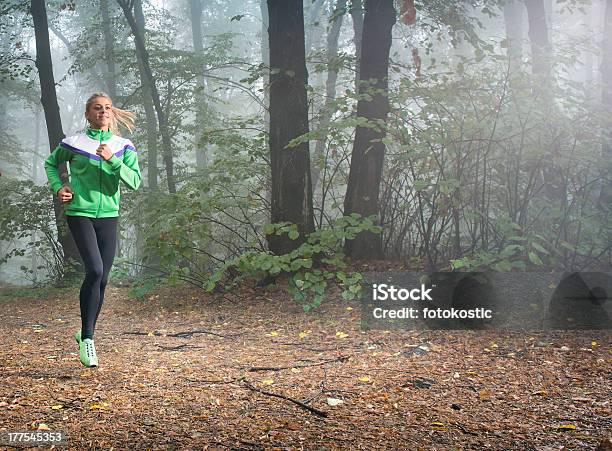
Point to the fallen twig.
(201, 331)
(179, 347)
(185, 334)
(312, 410)
(464, 430)
(278, 368)
(220, 382)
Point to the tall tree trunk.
(150, 259)
(53, 120)
(605, 197)
(151, 120)
(198, 47)
(265, 59)
(513, 18)
(363, 187)
(110, 73)
(313, 18)
(538, 36)
(356, 10)
(130, 8)
(554, 189)
(291, 184)
(330, 86)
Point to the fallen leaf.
(364, 378)
(267, 381)
(98, 406)
(540, 392)
(57, 407)
(484, 394)
(43, 427)
(334, 401)
(566, 427)
(438, 426)
(341, 335)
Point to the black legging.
(96, 239)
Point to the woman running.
(98, 159)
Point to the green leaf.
(268, 229)
(347, 295)
(539, 248)
(458, 264)
(503, 266)
(535, 259)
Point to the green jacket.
(94, 181)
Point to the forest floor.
(181, 369)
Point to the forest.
(292, 151)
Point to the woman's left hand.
(104, 151)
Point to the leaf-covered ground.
(180, 369)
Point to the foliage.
(212, 216)
(308, 268)
(515, 252)
(27, 223)
(473, 151)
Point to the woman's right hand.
(65, 194)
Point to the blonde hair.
(119, 116)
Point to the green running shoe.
(87, 352)
(77, 337)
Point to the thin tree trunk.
(362, 193)
(513, 18)
(130, 8)
(151, 259)
(151, 120)
(605, 196)
(198, 47)
(110, 73)
(315, 12)
(35, 163)
(291, 184)
(330, 87)
(53, 120)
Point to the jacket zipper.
(100, 180)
